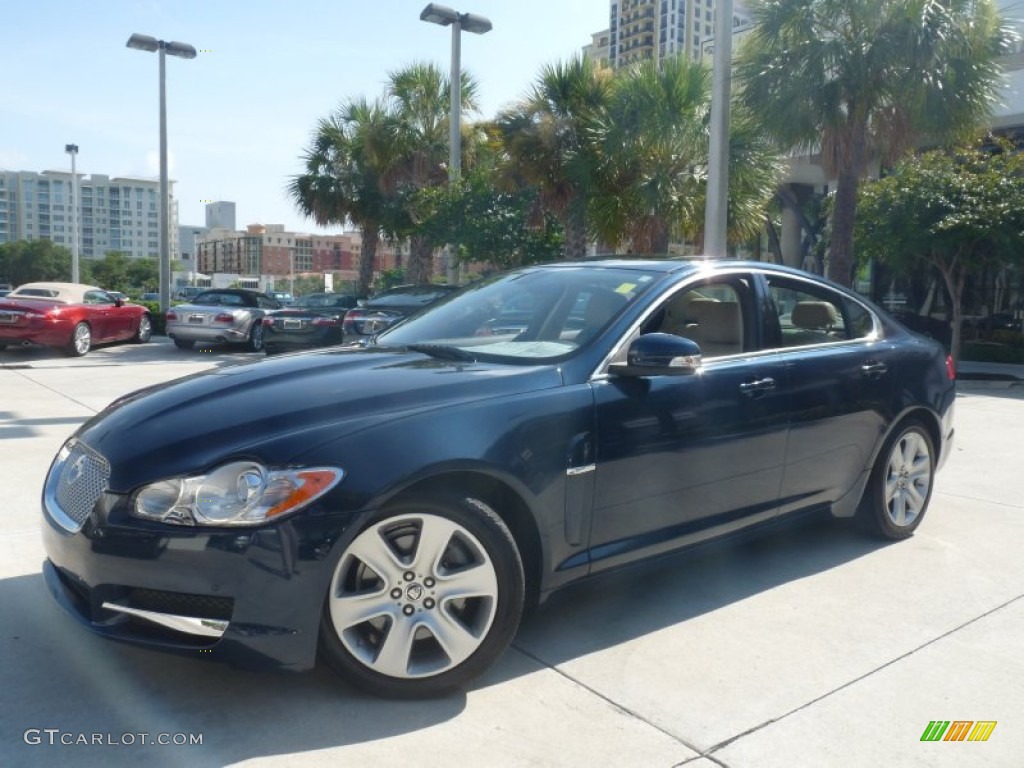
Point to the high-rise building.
(115, 214)
(654, 29)
(220, 215)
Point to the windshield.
(534, 314)
(321, 300)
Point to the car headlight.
(239, 493)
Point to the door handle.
(873, 369)
(752, 388)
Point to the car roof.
(66, 293)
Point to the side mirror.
(659, 354)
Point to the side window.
(97, 297)
(810, 315)
(264, 303)
(713, 314)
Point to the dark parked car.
(312, 321)
(380, 312)
(397, 505)
(221, 316)
(70, 316)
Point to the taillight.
(224, 317)
(268, 321)
(950, 368)
(351, 316)
(171, 315)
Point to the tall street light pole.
(470, 22)
(72, 149)
(716, 207)
(184, 51)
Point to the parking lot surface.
(808, 646)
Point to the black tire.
(145, 330)
(901, 482)
(255, 341)
(269, 350)
(419, 597)
(184, 343)
(80, 342)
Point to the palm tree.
(654, 152)
(420, 99)
(551, 143)
(863, 80)
(350, 156)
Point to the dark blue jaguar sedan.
(395, 507)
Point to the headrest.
(816, 315)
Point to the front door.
(684, 458)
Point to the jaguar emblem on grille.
(76, 470)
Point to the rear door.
(841, 377)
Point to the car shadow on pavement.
(57, 675)
(626, 604)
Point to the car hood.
(277, 409)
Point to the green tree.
(489, 225)
(957, 211)
(551, 143)
(655, 156)
(420, 97)
(27, 261)
(351, 154)
(653, 152)
(862, 80)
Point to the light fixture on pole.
(184, 51)
(470, 22)
(72, 149)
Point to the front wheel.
(424, 599)
(901, 482)
(184, 343)
(81, 340)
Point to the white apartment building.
(115, 214)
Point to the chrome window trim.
(600, 372)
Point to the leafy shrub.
(987, 352)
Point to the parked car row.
(260, 321)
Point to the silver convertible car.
(221, 316)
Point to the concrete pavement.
(811, 646)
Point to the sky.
(240, 114)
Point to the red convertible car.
(70, 316)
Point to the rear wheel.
(145, 330)
(901, 482)
(255, 342)
(184, 343)
(424, 599)
(81, 340)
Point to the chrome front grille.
(77, 479)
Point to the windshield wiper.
(442, 352)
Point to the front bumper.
(252, 598)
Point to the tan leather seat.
(719, 328)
